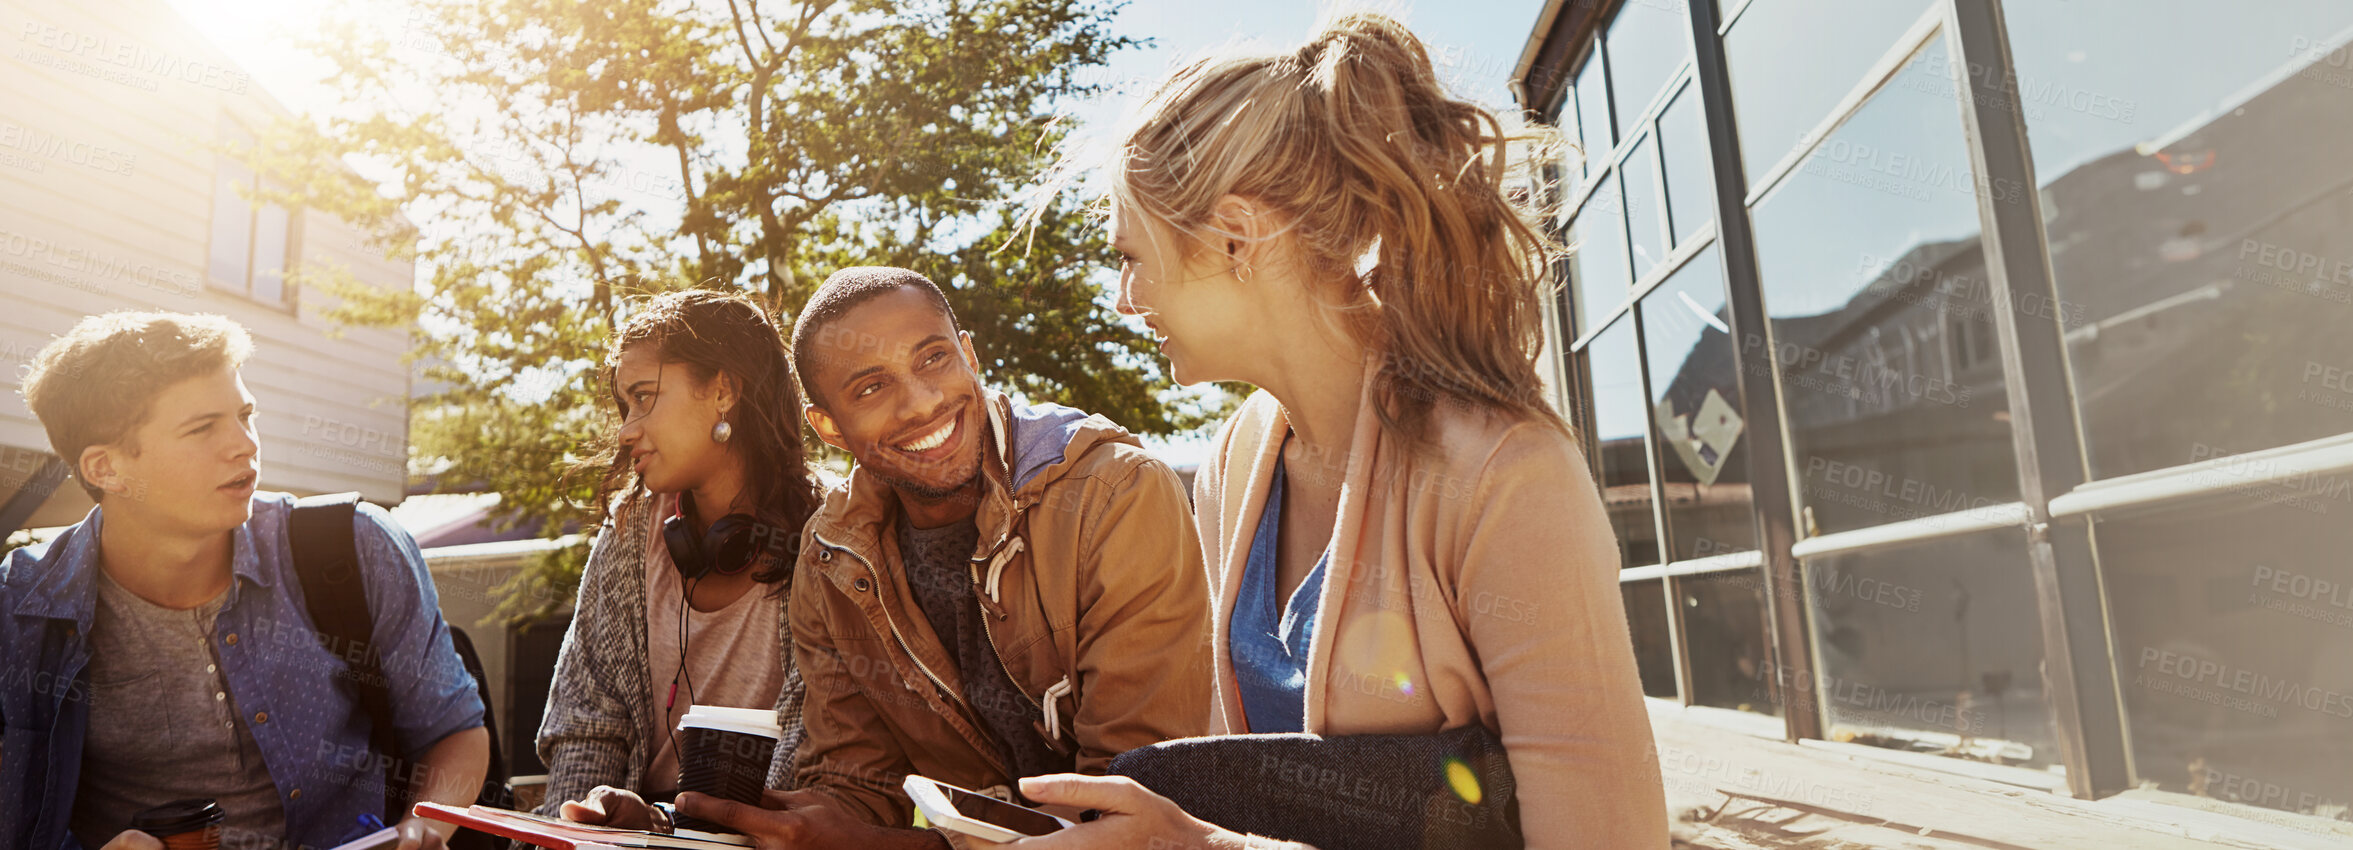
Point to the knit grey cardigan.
(597, 709)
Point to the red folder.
(562, 834)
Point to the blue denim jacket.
(315, 742)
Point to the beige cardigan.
(1473, 583)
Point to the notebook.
(566, 835)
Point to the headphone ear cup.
(729, 543)
(685, 551)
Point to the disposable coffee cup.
(724, 752)
(193, 824)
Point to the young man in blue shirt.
(160, 649)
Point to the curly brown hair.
(95, 385)
(711, 333)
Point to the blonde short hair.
(97, 384)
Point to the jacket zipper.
(894, 624)
(1005, 467)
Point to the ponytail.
(1395, 193)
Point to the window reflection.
(1593, 114)
(1599, 265)
(2232, 623)
(1646, 226)
(1792, 61)
(2196, 220)
(1695, 405)
(1724, 624)
(1882, 325)
(1654, 648)
(1648, 41)
(1623, 467)
(1683, 148)
(1933, 648)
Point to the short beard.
(927, 492)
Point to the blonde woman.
(1402, 535)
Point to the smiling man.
(999, 590)
(160, 649)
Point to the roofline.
(1536, 39)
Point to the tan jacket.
(1098, 610)
(1473, 584)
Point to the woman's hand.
(1133, 816)
(618, 808)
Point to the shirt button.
(261, 717)
(232, 639)
(218, 696)
(212, 668)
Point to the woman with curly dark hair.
(705, 486)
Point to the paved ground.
(1730, 790)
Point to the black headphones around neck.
(726, 548)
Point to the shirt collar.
(64, 584)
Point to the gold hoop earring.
(1242, 273)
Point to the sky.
(1475, 44)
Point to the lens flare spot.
(1404, 685)
(1465, 783)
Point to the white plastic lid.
(749, 721)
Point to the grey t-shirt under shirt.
(937, 562)
(164, 727)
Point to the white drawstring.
(997, 567)
(1053, 699)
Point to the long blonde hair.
(1395, 192)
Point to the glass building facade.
(1974, 379)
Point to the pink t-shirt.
(733, 656)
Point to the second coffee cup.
(725, 752)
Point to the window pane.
(1645, 226)
(1654, 648)
(1724, 623)
(1934, 648)
(1593, 114)
(269, 254)
(1616, 379)
(1691, 182)
(2198, 222)
(1882, 326)
(1564, 117)
(1599, 265)
(232, 229)
(1792, 61)
(1647, 42)
(2232, 626)
(1695, 404)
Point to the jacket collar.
(1026, 450)
(62, 581)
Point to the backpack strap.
(326, 559)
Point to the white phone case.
(936, 809)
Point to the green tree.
(541, 160)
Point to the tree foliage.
(541, 160)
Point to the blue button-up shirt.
(315, 742)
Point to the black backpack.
(326, 558)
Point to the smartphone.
(979, 815)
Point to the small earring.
(1242, 273)
(722, 431)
